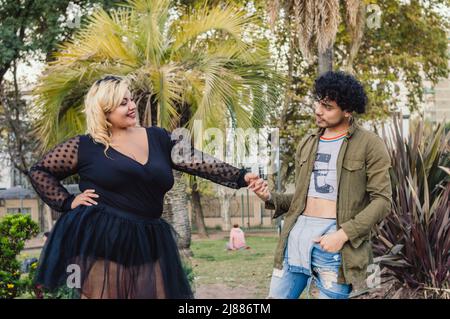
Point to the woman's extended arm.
(186, 158)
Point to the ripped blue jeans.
(309, 262)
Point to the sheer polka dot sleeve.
(57, 164)
(187, 159)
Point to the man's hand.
(260, 188)
(332, 242)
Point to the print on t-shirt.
(321, 169)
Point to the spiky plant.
(414, 241)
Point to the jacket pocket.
(353, 165)
(360, 240)
(359, 257)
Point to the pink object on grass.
(237, 239)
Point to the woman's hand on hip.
(85, 198)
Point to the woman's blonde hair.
(104, 96)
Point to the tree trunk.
(176, 213)
(224, 199)
(225, 213)
(326, 61)
(281, 173)
(197, 212)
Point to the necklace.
(125, 153)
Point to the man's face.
(329, 114)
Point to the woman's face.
(125, 114)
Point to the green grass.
(213, 264)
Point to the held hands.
(332, 242)
(85, 199)
(258, 186)
(250, 177)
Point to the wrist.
(343, 235)
(68, 202)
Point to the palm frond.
(327, 19)
(103, 39)
(227, 20)
(216, 89)
(151, 18)
(168, 90)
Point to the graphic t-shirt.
(323, 178)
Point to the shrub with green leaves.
(14, 230)
(413, 242)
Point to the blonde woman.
(111, 235)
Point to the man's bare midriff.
(319, 207)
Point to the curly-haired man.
(342, 190)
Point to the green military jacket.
(364, 197)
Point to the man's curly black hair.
(342, 88)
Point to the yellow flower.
(10, 286)
(34, 265)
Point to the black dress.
(120, 248)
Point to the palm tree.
(314, 24)
(184, 65)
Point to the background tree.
(313, 26)
(30, 30)
(197, 209)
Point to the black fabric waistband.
(129, 215)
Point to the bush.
(38, 292)
(413, 242)
(14, 230)
(188, 270)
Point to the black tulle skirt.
(103, 252)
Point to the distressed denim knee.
(326, 281)
(325, 271)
